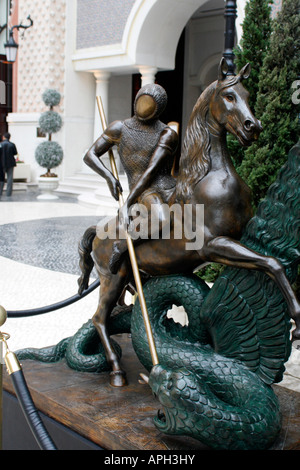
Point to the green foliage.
(257, 27)
(51, 97)
(50, 122)
(274, 106)
(211, 272)
(49, 154)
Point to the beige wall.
(41, 54)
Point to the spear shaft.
(131, 251)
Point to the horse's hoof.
(118, 378)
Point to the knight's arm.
(165, 148)
(92, 158)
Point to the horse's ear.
(223, 69)
(245, 72)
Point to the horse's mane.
(194, 161)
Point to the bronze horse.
(206, 176)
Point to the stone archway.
(164, 17)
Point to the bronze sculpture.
(146, 147)
(206, 176)
(214, 376)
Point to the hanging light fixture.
(11, 46)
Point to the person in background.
(8, 151)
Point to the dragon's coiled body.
(205, 395)
(215, 375)
(217, 388)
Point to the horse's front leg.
(232, 253)
(110, 291)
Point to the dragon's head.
(177, 391)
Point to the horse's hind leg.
(232, 253)
(110, 291)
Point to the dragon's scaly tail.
(86, 262)
(83, 351)
(47, 354)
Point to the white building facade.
(85, 48)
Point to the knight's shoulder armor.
(113, 132)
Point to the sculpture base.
(84, 404)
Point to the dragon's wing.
(245, 311)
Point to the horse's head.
(229, 107)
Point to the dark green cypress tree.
(274, 105)
(257, 27)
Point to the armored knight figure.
(146, 148)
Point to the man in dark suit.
(8, 151)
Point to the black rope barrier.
(26, 403)
(14, 368)
(56, 306)
(30, 412)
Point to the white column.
(148, 74)
(239, 19)
(102, 83)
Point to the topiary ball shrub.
(51, 97)
(49, 155)
(50, 122)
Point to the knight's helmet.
(150, 102)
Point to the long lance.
(131, 250)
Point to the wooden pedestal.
(122, 418)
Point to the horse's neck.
(219, 156)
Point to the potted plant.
(49, 154)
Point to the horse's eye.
(229, 98)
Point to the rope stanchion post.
(30, 412)
(131, 251)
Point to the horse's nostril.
(248, 125)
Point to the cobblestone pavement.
(39, 266)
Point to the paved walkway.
(39, 266)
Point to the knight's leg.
(110, 291)
(232, 253)
(148, 219)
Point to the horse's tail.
(86, 262)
